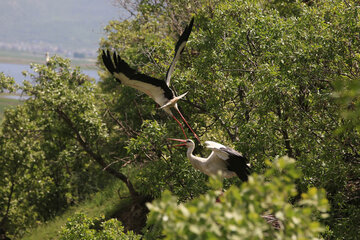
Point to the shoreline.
(13, 96)
(26, 58)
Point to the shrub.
(242, 211)
(82, 227)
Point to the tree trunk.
(97, 157)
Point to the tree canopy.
(268, 78)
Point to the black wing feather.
(182, 39)
(108, 62)
(184, 36)
(237, 163)
(117, 65)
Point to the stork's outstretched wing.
(234, 160)
(153, 87)
(179, 48)
(237, 164)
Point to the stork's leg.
(182, 129)
(182, 117)
(218, 197)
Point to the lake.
(15, 71)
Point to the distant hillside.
(66, 24)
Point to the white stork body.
(225, 160)
(157, 89)
(155, 92)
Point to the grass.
(7, 103)
(7, 56)
(105, 202)
(17, 57)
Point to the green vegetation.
(6, 103)
(18, 57)
(81, 227)
(21, 57)
(269, 78)
(242, 212)
(104, 203)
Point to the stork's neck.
(190, 151)
(193, 158)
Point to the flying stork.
(225, 160)
(157, 89)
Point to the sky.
(66, 25)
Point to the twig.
(236, 70)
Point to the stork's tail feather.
(173, 101)
(181, 96)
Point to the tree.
(47, 145)
(82, 227)
(242, 212)
(261, 77)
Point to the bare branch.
(97, 157)
(119, 160)
(236, 70)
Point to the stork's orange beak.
(178, 140)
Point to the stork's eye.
(188, 141)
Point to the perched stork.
(222, 159)
(228, 162)
(47, 57)
(157, 89)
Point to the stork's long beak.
(178, 140)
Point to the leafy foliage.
(174, 173)
(268, 78)
(242, 212)
(44, 168)
(82, 227)
(261, 77)
(6, 83)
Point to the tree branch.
(285, 135)
(98, 158)
(8, 204)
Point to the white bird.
(47, 58)
(222, 159)
(157, 89)
(228, 162)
